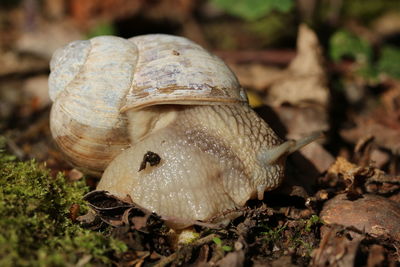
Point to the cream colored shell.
(172, 69)
(93, 82)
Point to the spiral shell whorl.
(175, 70)
(65, 65)
(88, 88)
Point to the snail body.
(167, 121)
(210, 162)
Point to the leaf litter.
(339, 205)
(343, 212)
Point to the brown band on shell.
(179, 101)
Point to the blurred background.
(352, 49)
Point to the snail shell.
(93, 82)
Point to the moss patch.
(35, 228)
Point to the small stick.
(167, 260)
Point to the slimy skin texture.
(212, 160)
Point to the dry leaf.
(373, 214)
(305, 80)
(257, 76)
(234, 259)
(336, 249)
(382, 123)
(48, 37)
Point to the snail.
(167, 122)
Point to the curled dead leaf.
(104, 201)
(116, 212)
(359, 179)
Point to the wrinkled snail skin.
(167, 122)
(210, 162)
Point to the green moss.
(35, 229)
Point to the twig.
(167, 260)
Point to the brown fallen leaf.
(86, 14)
(257, 76)
(48, 37)
(202, 259)
(186, 251)
(35, 94)
(15, 63)
(305, 79)
(104, 201)
(281, 261)
(359, 179)
(379, 157)
(382, 123)
(376, 215)
(366, 153)
(376, 256)
(234, 259)
(108, 208)
(336, 249)
(299, 121)
(85, 11)
(90, 220)
(387, 138)
(117, 212)
(353, 176)
(295, 123)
